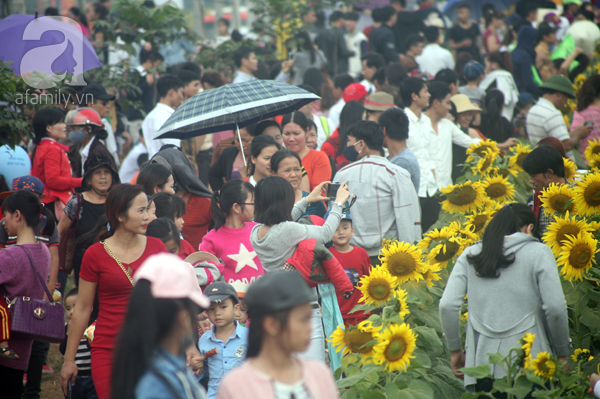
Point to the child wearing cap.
(356, 262)
(225, 346)
(473, 72)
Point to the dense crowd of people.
(403, 94)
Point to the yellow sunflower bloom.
(520, 151)
(448, 244)
(587, 194)
(503, 172)
(477, 222)
(498, 189)
(485, 164)
(571, 172)
(442, 254)
(555, 197)
(481, 148)
(377, 288)
(395, 347)
(353, 339)
(561, 228)
(404, 311)
(544, 365)
(577, 255)
(466, 233)
(592, 149)
(594, 162)
(581, 354)
(462, 198)
(464, 317)
(402, 260)
(527, 344)
(431, 275)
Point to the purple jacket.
(17, 278)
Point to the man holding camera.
(387, 205)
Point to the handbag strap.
(50, 298)
(112, 255)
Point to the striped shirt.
(83, 358)
(544, 120)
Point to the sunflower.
(527, 344)
(592, 149)
(461, 198)
(484, 164)
(520, 151)
(498, 189)
(594, 162)
(478, 221)
(464, 317)
(403, 311)
(571, 172)
(555, 197)
(395, 347)
(503, 172)
(354, 338)
(577, 255)
(402, 260)
(467, 235)
(587, 194)
(378, 287)
(543, 365)
(481, 148)
(558, 230)
(438, 236)
(581, 354)
(432, 274)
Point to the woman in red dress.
(107, 271)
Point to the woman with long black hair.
(495, 126)
(160, 325)
(513, 288)
(306, 57)
(352, 112)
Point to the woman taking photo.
(22, 211)
(230, 164)
(98, 178)
(160, 325)
(286, 164)
(156, 178)
(280, 307)
(106, 271)
(498, 69)
(261, 150)
(511, 269)
(588, 109)
(50, 160)
(316, 163)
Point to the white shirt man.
(434, 58)
(152, 124)
(335, 112)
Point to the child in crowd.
(473, 72)
(172, 207)
(242, 316)
(519, 120)
(165, 230)
(233, 213)
(227, 337)
(356, 263)
(84, 385)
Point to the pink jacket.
(245, 382)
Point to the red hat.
(354, 91)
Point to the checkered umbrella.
(233, 106)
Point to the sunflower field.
(399, 351)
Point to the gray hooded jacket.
(527, 297)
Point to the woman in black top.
(98, 178)
(493, 125)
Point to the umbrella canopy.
(233, 106)
(45, 44)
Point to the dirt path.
(51, 382)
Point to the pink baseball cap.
(171, 277)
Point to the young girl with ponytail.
(22, 211)
(233, 214)
(107, 271)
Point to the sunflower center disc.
(451, 250)
(481, 150)
(565, 231)
(580, 256)
(356, 339)
(462, 196)
(401, 264)
(592, 194)
(559, 201)
(495, 190)
(479, 222)
(380, 291)
(394, 350)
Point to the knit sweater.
(196, 220)
(527, 297)
(234, 248)
(282, 239)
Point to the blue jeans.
(84, 388)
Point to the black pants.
(203, 160)
(39, 350)
(430, 212)
(11, 382)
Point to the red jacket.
(52, 166)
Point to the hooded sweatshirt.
(523, 59)
(527, 297)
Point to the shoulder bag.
(36, 318)
(66, 250)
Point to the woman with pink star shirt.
(233, 213)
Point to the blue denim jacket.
(229, 355)
(181, 382)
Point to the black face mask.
(350, 153)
